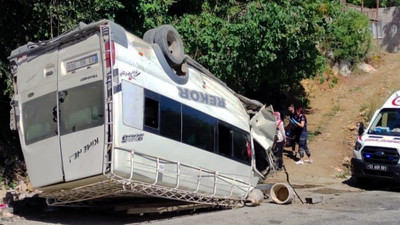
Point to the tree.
(349, 37)
(260, 48)
(372, 3)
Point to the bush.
(262, 49)
(349, 36)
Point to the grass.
(334, 111)
(333, 82)
(313, 134)
(346, 172)
(321, 128)
(369, 108)
(321, 79)
(351, 90)
(363, 107)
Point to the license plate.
(84, 62)
(376, 167)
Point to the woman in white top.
(281, 138)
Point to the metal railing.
(117, 185)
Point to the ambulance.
(376, 153)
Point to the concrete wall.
(390, 18)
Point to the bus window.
(170, 119)
(81, 107)
(151, 113)
(132, 105)
(240, 146)
(40, 118)
(198, 128)
(224, 140)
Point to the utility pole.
(362, 5)
(377, 24)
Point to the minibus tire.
(171, 44)
(149, 35)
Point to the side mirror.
(360, 127)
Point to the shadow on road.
(289, 154)
(374, 185)
(35, 209)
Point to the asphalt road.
(341, 204)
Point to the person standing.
(301, 132)
(292, 128)
(281, 138)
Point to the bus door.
(37, 82)
(263, 131)
(81, 108)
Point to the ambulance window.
(387, 122)
(40, 118)
(198, 128)
(81, 107)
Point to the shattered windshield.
(387, 122)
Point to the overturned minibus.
(101, 112)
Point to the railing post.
(157, 170)
(198, 181)
(178, 172)
(132, 158)
(215, 182)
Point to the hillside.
(332, 117)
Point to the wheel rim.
(173, 45)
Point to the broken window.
(40, 118)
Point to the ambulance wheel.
(149, 35)
(171, 44)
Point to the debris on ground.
(366, 67)
(314, 200)
(6, 213)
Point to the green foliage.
(155, 12)
(349, 36)
(5, 75)
(57, 17)
(372, 3)
(256, 46)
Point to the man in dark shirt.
(291, 130)
(300, 122)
